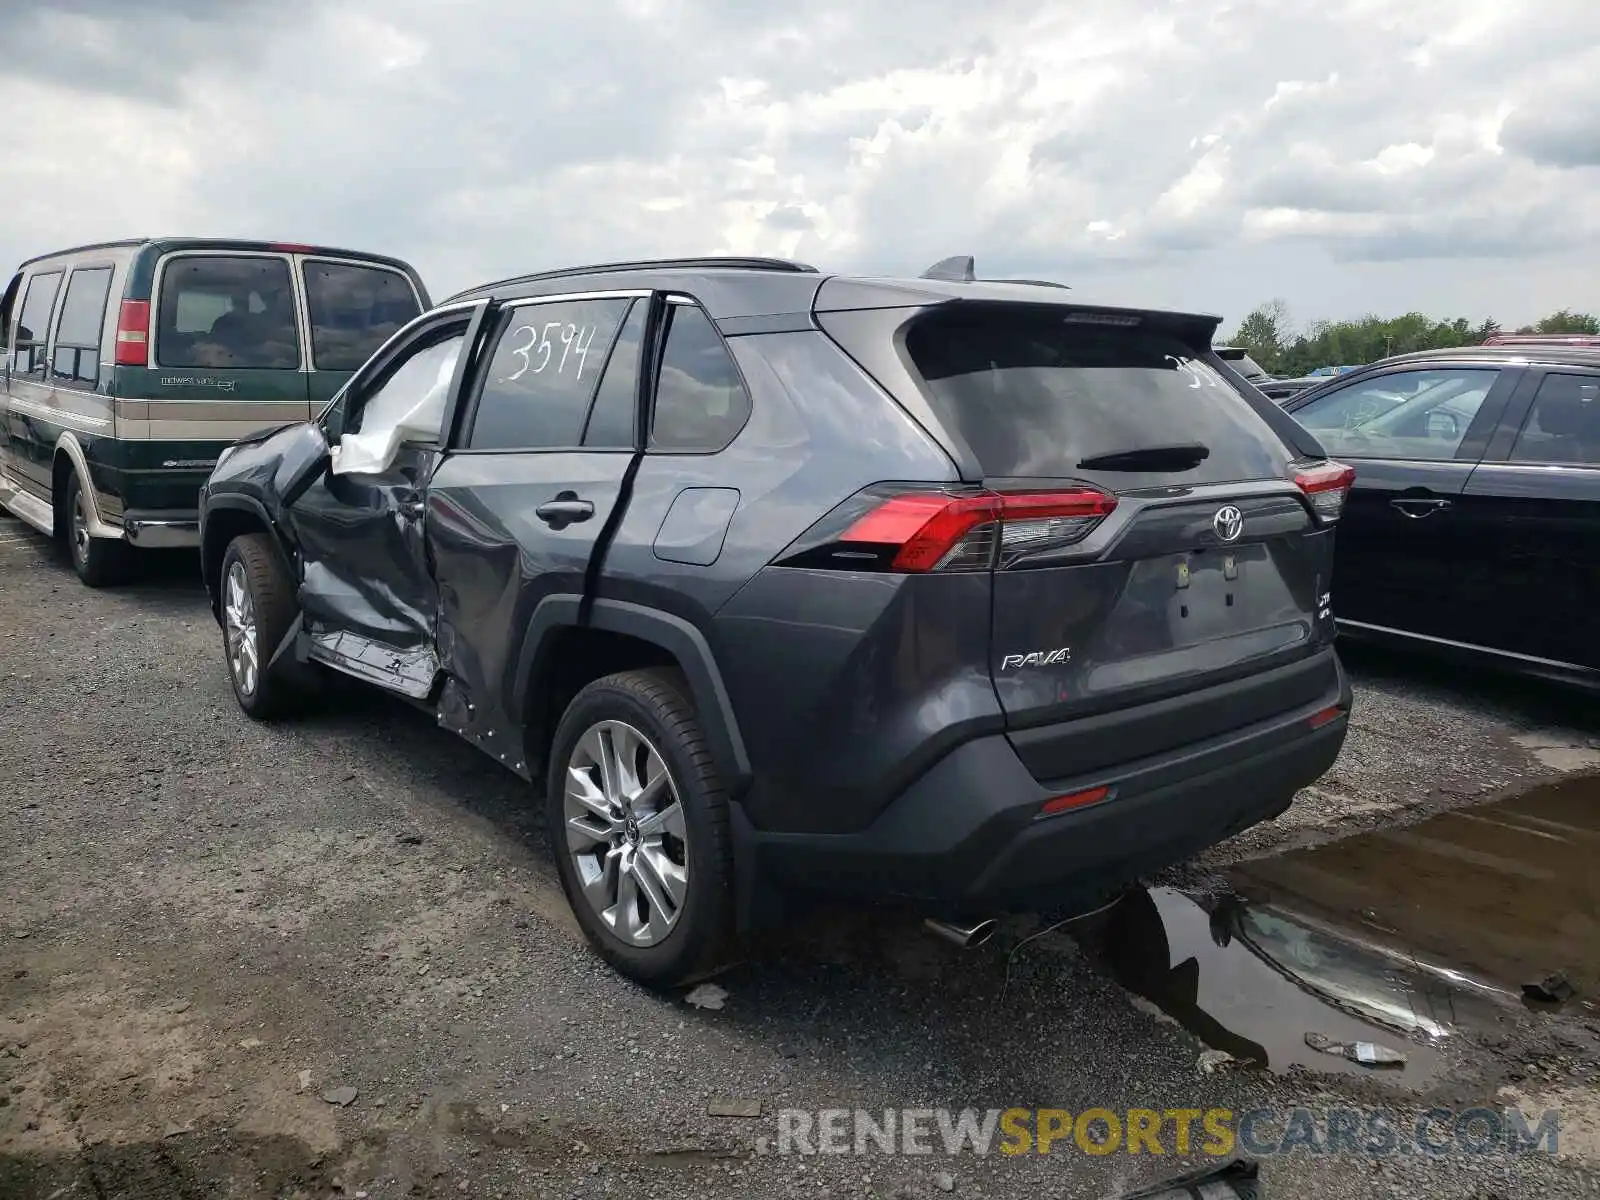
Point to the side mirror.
(332, 419)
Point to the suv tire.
(644, 719)
(98, 562)
(258, 606)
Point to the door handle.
(1416, 508)
(564, 510)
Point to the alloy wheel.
(80, 529)
(626, 833)
(239, 617)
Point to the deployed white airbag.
(409, 408)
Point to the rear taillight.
(133, 333)
(948, 530)
(1326, 486)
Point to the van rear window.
(354, 310)
(1035, 394)
(227, 312)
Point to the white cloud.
(1350, 153)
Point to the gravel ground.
(211, 926)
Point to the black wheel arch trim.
(249, 504)
(671, 633)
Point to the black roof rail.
(706, 263)
(1035, 283)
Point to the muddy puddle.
(1404, 938)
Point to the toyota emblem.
(1228, 523)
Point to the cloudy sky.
(1345, 155)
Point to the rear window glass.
(1035, 395)
(227, 313)
(354, 310)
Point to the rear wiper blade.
(1182, 457)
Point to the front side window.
(547, 363)
(353, 311)
(8, 305)
(228, 312)
(83, 311)
(1564, 424)
(1416, 415)
(33, 324)
(405, 405)
(700, 403)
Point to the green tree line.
(1270, 337)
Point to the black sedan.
(1474, 524)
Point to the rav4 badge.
(1036, 658)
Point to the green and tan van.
(130, 365)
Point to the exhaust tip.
(965, 936)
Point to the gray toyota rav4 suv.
(967, 593)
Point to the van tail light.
(133, 333)
(1327, 486)
(916, 531)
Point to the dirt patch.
(110, 1081)
(209, 1165)
(288, 884)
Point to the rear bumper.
(966, 839)
(161, 529)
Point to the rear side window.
(33, 323)
(611, 419)
(354, 310)
(227, 312)
(701, 403)
(1035, 395)
(83, 311)
(1564, 425)
(547, 363)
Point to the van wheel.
(258, 606)
(98, 562)
(638, 824)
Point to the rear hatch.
(1153, 540)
